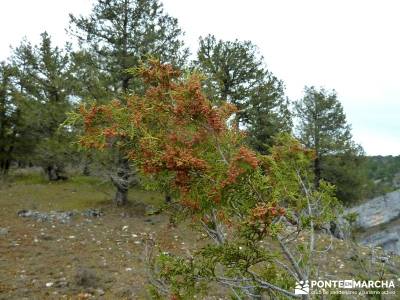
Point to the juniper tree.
(251, 207)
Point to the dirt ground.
(101, 258)
(86, 258)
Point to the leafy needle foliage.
(250, 205)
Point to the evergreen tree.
(118, 35)
(236, 73)
(234, 196)
(43, 79)
(7, 118)
(322, 126)
(267, 115)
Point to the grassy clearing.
(31, 190)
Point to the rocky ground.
(378, 222)
(65, 241)
(76, 254)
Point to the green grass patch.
(28, 178)
(31, 190)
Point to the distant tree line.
(385, 172)
(40, 84)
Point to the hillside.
(385, 172)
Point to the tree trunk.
(168, 198)
(5, 166)
(54, 173)
(86, 169)
(121, 196)
(86, 166)
(317, 172)
(121, 182)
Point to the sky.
(350, 46)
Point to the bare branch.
(291, 259)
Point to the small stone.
(100, 292)
(49, 284)
(92, 212)
(84, 296)
(3, 231)
(384, 259)
(61, 283)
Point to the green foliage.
(322, 122)
(235, 72)
(8, 117)
(248, 204)
(250, 250)
(348, 172)
(116, 37)
(89, 84)
(322, 126)
(43, 80)
(120, 34)
(384, 171)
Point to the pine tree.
(322, 126)
(236, 73)
(43, 79)
(7, 118)
(122, 33)
(118, 36)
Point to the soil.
(85, 258)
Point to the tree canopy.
(235, 72)
(120, 34)
(180, 141)
(322, 126)
(43, 82)
(116, 37)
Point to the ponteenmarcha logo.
(302, 288)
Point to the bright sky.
(351, 46)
